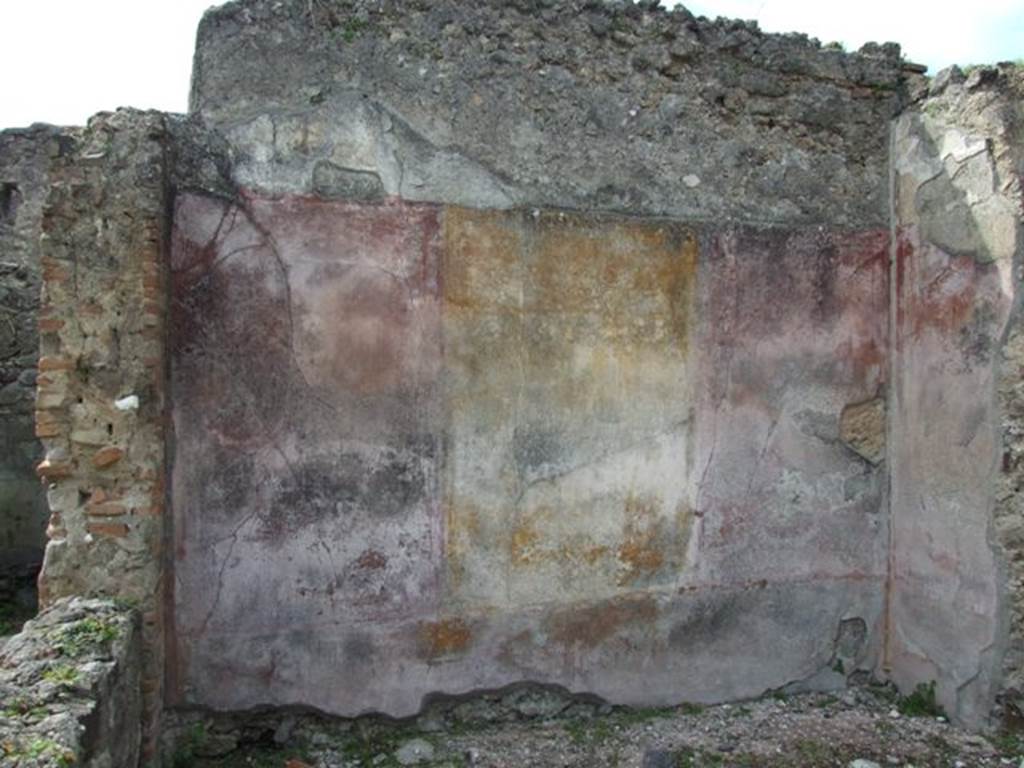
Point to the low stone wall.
(69, 688)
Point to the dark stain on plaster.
(851, 636)
(977, 336)
(358, 650)
(944, 296)
(711, 616)
(447, 637)
(768, 281)
(536, 451)
(386, 485)
(588, 626)
(331, 181)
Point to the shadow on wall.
(24, 156)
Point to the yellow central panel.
(567, 342)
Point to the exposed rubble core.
(592, 106)
(590, 350)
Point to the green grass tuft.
(83, 636)
(920, 703)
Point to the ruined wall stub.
(434, 435)
(955, 617)
(101, 384)
(24, 158)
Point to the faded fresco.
(434, 449)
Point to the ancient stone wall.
(436, 433)
(590, 106)
(591, 345)
(24, 158)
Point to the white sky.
(66, 59)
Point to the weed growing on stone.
(266, 757)
(36, 749)
(920, 703)
(811, 751)
(61, 674)
(83, 636)
(24, 707)
(350, 30)
(123, 603)
(691, 709)
(588, 733)
(189, 746)
(1010, 743)
(629, 717)
(375, 744)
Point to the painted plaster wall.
(957, 209)
(456, 406)
(426, 449)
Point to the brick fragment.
(110, 530)
(52, 470)
(49, 363)
(106, 457)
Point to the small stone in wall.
(415, 752)
(129, 403)
(862, 429)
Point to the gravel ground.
(869, 725)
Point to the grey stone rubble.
(70, 688)
(853, 730)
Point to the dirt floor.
(860, 728)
